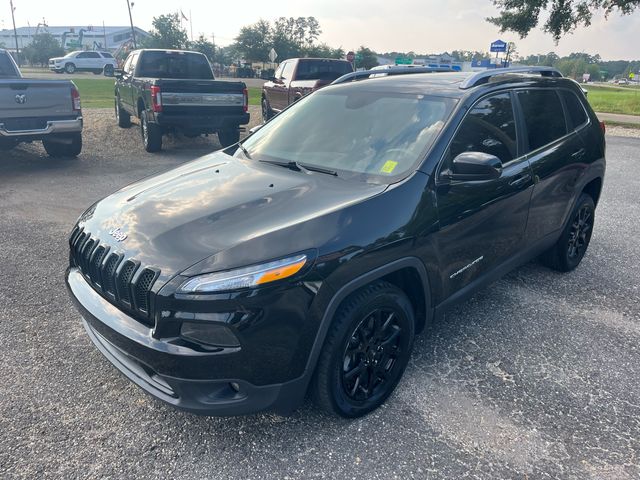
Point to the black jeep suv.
(307, 257)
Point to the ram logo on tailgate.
(21, 99)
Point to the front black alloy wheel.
(572, 245)
(366, 351)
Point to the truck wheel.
(151, 134)
(122, 117)
(70, 68)
(228, 137)
(63, 146)
(6, 145)
(267, 113)
(366, 351)
(572, 245)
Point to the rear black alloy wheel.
(151, 134)
(229, 137)
(572, 245)
(267, 113)
(580, 233)
(122, 117)
(366, 351)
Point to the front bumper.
(52, 127)
(132, 349)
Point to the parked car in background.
(84, 61)
(38, 110)
(295, 78)
(307, 257)
(175, 91)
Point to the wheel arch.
(408, 274)
(594, 188)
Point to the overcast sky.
(432, 26)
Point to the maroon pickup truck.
(297, 77)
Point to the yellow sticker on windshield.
(389, 167)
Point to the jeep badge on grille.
(118, 234)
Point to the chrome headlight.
(244, 277)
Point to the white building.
(74, 38)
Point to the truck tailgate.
(210, 95)
(23, 98)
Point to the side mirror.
(255, 129)
(118, 73)
(475, 166)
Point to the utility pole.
(133, 31)
(15, 32)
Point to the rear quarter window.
(575, 109)
(543, 117)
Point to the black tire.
(6, 145)
(70, 68)
(229, 137)
(354, 352)
(67, 146)
(151, 134)
(267, 113)
(122, 117)
(572, 245)
(108, 70)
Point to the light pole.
(133, 31)
(15, 32)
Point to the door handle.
(521, 180)
(579, 154)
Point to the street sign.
(272, 55)
(351, 57)
(499, 46)
(404, 61)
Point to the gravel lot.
(535, 377)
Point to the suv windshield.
(181, 65)
(358, 133)
(322, 69)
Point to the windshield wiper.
(299, 167)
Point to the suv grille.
(123, 282)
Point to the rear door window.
(322, 69)
(543, 117)
(575, 110)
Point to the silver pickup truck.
(34, 110)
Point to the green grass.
(98, 93)
(614, 99)
(95, 93)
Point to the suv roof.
(456, 84)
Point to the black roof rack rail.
(483, 77)
(354, 76)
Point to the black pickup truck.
(175, 90)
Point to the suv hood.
(176, 219)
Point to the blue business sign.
(499, 46)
